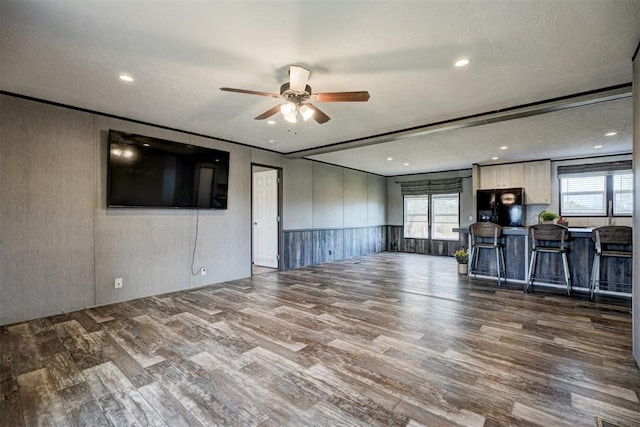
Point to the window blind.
(605, 167)
(434, 186)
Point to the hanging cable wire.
(195, 244)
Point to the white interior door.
(265, 218)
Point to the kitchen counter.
(580, 255)
(522, 231)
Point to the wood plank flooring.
(388, 339)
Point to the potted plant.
(462, 257)
(547, 217)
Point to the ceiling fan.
(297, 93)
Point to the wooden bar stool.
(603, 238)
(551, 239)
(487, 230)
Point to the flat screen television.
(145, 172)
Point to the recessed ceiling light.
(610, 133)
(406, 164)
(597, 146)
(494, 158)
(504, 147)
(271, 122)
(125, 78)
(389, 158)
(463, 62)
(271, 141)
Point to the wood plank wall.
(309, 247)
(580, 253)
(397, 243)
(514, 250)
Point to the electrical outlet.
(118, 283)
(470, 217)
(203, 271)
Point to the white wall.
(328, 193)
(297, 190)
(376, 200)
(267, 158)
(318, 196)
(355, 198)
(47, 205)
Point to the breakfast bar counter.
(517, 252)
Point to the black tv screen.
(155, 173)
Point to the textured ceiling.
(566, 134)
(402, 52)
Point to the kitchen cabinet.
(537, 182)
(489, 177)
(501, 176)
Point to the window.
(435, 215)
(586, 196)
(623, 194)
(444, 208)
(416, 217)
(590, 194)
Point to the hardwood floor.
(258, 269)
(387, 339)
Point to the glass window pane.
(584, 195)
(623, 194)
(416, 217)
(445, 216)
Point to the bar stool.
(603, 237)
(487, 230)
(551, 239)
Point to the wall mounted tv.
(145, 172)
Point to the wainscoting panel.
(327, 245)
(298, 249)
(395, 242)
(514, 259)
(354, 239)
(377, 239)
(310, 247)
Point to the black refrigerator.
(504, 207)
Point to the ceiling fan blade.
(270, 112)
(298, 77)
(250, 92)
(318, 115)
(358, 96)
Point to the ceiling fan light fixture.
(288, 109)
(306, 112)
(291, 118)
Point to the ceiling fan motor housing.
(294, 96)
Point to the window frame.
(608, 193)
(430, 216)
